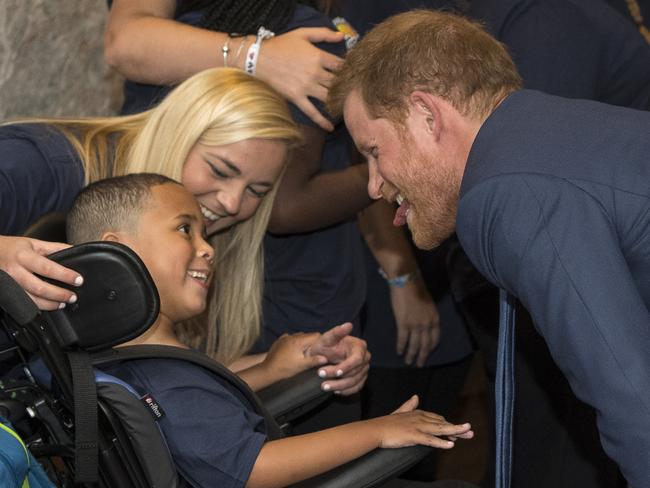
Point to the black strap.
(505, 389)
(85, 413)
(273, 430)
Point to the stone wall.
(51, 59)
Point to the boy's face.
(169, 240)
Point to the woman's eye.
(258, 194)
(216, 171)
(185, 228)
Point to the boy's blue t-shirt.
(213, 434)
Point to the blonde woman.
(224, 134)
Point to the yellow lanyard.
(17, 437)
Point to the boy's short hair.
(111, 204)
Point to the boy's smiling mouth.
(203, 277)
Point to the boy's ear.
(111, 236)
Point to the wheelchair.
(90, 429)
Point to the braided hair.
(244, 16)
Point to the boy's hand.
(407, 427)
(288, 355)
(349, 358)
(22, 258)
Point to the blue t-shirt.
(212, 432)
(40, 173)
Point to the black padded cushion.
(116, 303)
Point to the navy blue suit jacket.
(555, 208)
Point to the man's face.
(169, 238)
(407, 166)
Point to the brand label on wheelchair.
(153, 406)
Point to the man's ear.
(427, 110)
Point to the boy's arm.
(347, 360)
(286, 461)
(286, 358)
(245, 362)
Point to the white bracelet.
(254, 51)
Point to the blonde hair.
(215, 107)
(437, 52)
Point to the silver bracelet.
(225, 49)
(401, 280)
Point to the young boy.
(214, 438)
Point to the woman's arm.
(292, 459)
(144, 44)
(416, 314)
(309, 198)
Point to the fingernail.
(78, 280)
(339, 372)
(61, 305)
(326, 387)
(337, 392)
(322, 373)
(323, 360)
(72, 299)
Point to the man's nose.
(375, 182)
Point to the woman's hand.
(418, 321)
(297, 69)
(407, 427)
(22, 258)
(348, 357)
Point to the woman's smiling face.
(230, 181)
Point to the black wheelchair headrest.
(117, 302)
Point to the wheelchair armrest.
(288, 399)
(373, 469)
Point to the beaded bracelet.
(401, 280)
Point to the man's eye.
(374, 152)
